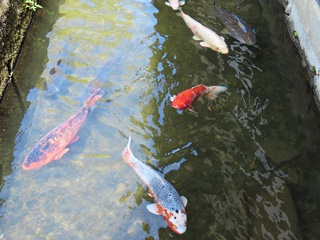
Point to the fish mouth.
(26, 167)
(31, 166)
(181, 229)
(251, 42)
(225, 51)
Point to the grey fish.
(235, 26)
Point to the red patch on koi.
(186, 98)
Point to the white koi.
(168, 204)
(201, 33)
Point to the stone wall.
(15, 19)
(303, 21)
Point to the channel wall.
(303, 21)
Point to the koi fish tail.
(95, 96)
(126, 154)
(213, 91)
(180, 13)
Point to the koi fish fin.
(213, 91)
(180, 14)
(129, 142)
(182, 3)
(222, 38)
(193, 111)
(153, 208)
(161, 179)
(60, 154)
(196, 38)
(184, 200)
(168, 4)
(243, 28)
(93, 98)
(126, 154)
(76, 138)
(204, 44)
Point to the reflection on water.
(235, 160)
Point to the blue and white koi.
(169, 204)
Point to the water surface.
(242, 161)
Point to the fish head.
(31, 165)
(34, 161)
(251, 39)
(177, 221)
(181, 102)
(222, 48)
(175, 4)
(248, 38)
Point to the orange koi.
(185, 99)
(54, 144)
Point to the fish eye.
(177, 211)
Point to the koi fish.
(54, 144)
(185, 99)
(168, 204)
(175, 4)
(201, 33)
(235, 26)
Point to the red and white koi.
(54, 144)
(168, 204)
(201, 33)
(185, 99)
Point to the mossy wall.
(14, 21)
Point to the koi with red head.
(186, 98)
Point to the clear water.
(247, 162)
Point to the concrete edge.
(303, 22)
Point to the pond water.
(247, 162)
